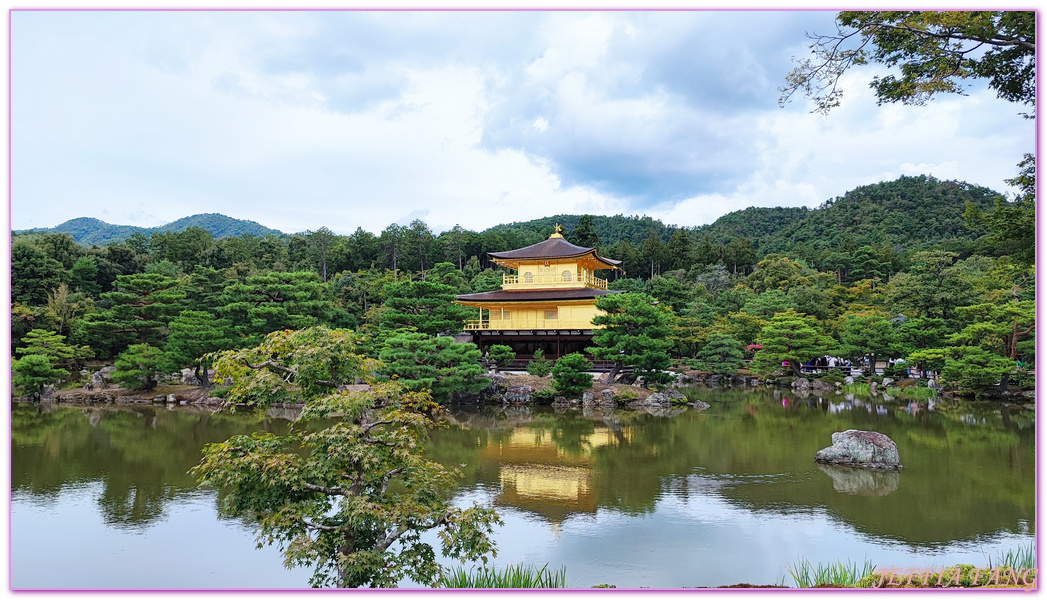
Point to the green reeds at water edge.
(1017, 559)
(909, 393)
(513, 576)
(806, 575)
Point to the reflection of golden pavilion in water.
(540, 477)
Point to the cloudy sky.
(300, 120)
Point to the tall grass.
(1018, 558)
(806, 575)
(513, 576)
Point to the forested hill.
(908, 213)
(90, 231)
(911, 212)
(610, 230)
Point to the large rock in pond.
(664, 398)
(822, 387)
(857, 448)
(518, 394)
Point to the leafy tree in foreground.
(34, 372)
(353, 499)
(722, 354)
(789, 338)
(935, 51)
(635, 333)
(569, 375)
(138, 367)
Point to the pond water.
(634, 499)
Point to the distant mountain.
(910, 212)
(90, 231)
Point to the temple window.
(566, 276)
(528, 277)
(551, 314)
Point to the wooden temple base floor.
(553, 343)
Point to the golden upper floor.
(553, 263)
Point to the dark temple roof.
(554, 247)
(536, 295)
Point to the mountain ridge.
(92, 231)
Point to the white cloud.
(300, 120)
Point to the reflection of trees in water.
(140, 455)
(962, 480)
(968, 472)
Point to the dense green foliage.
(721, 354)
(353, 498)
(426, 306)
(789, 340)
(935, 51)
(635, 333)
(139, 367)
(919, 253)
(539, 365)
(500, 356)
(35, 372)
(435, 364)
(569, 375)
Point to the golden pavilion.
(549, 303)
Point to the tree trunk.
(795, 364)
(201, 376)
(1005, 383)
(609, 379)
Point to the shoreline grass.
(806, 575)
(511, 577)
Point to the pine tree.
(634, 331)
(570, 378)
(790, 338)
(584, 233)
(722, 354)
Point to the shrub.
(539, 366)
(569, 375)
(543, 396)
(138, 367)
(500, 356)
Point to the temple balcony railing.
(515, 282)
(526, 324)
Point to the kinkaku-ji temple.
(549, 303)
